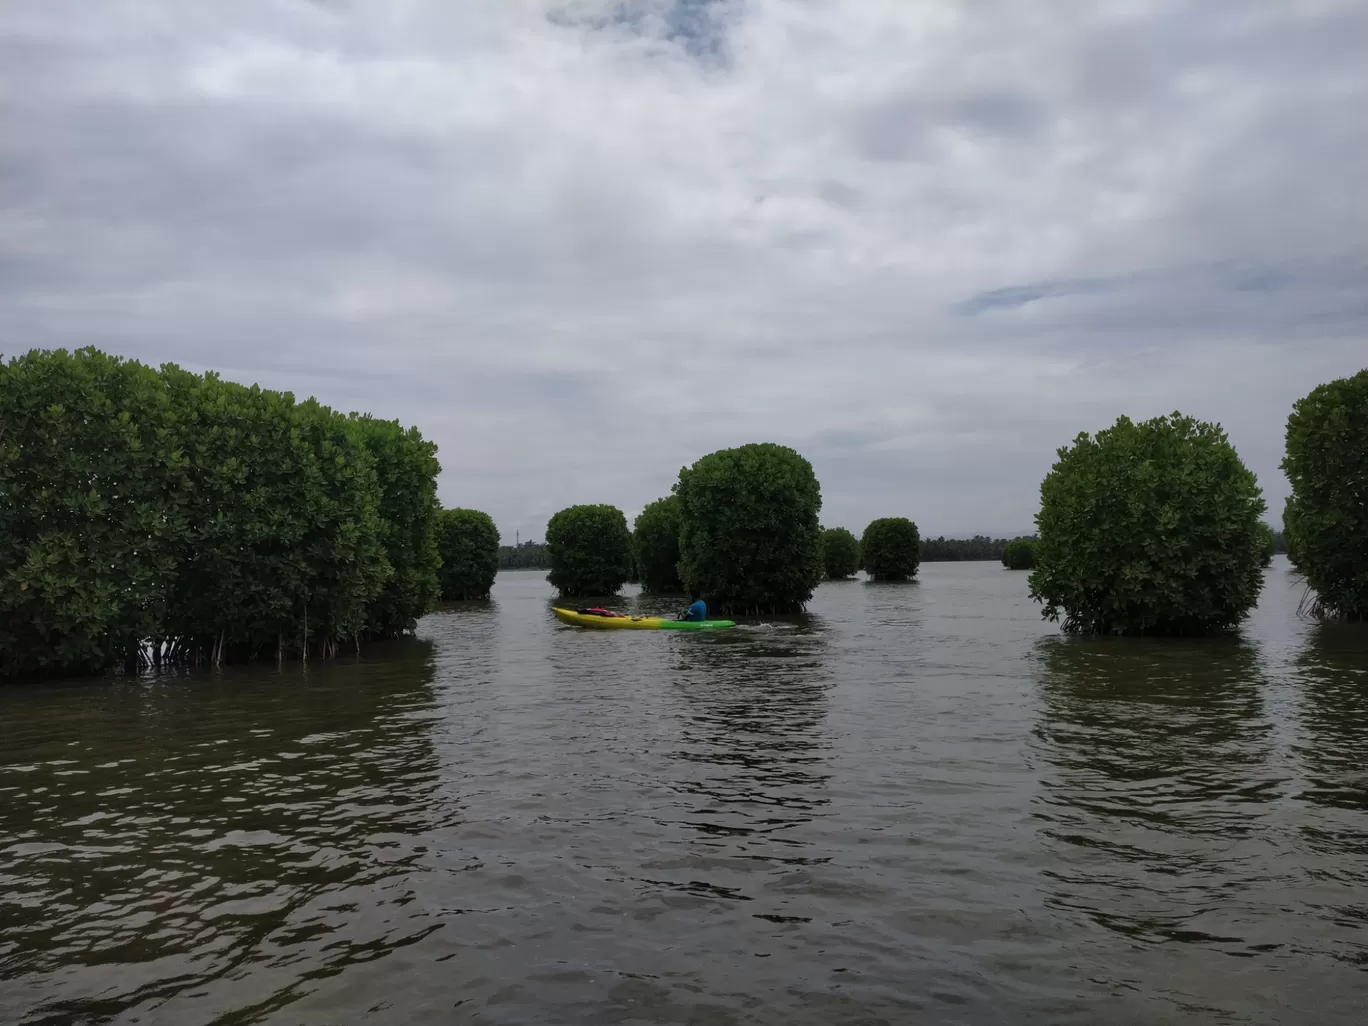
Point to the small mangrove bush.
(468, 543)
(655, 540)
(891, 549)
(1019, 554)
(1149, 528)
(749, 538)
(161, 517)
(1325, 519)
(590, 550)
(840, 554)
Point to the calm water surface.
(918, 804)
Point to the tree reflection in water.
(197, 830)
(1333, 671)
(751, 758)
(1333, 751)
(756, 705)
(1158, 783)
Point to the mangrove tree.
(590, 550)
(655, 540)
(890, 549)
(1149, 528)
(840, 554)
(468, 543)
(165, 517)
(1019, 554)
(749, 538)
(1326, 516)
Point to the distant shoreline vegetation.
(528, 555)
(531, 555)
(953, 550)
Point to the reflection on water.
(1333, 665)
(750, 743)
(1153, 745)
(1179, 726)
(904, 807)
(1333, 676)
(181, 836)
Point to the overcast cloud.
(580, 244)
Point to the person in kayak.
(697, 611)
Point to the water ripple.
(915, 803)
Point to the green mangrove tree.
(840, 553)
(655, 540)
(1019, 554)
(166, 517)
(468, 543)
(406, 468)
(890, 549)
(1150, 528)
(749, 538)
(1325, 518)
(590, 550)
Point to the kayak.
(638, 623)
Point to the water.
(917, 804)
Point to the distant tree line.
(948, 550)
(528, 555)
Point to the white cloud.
(925, 243)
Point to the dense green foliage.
(1019, 554)
(528, 555)
(945, 550)
(890, 549)
(89, 518)
(1326, 516)
(407, 468)
(282, 544)
(1150, 528)
(1269, 542)
(171, 517)
(749, 536)
(655, 540)
(590, 549)
(840, 553)
(468, 542)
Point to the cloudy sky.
(582, 243)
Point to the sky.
(580, 244)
